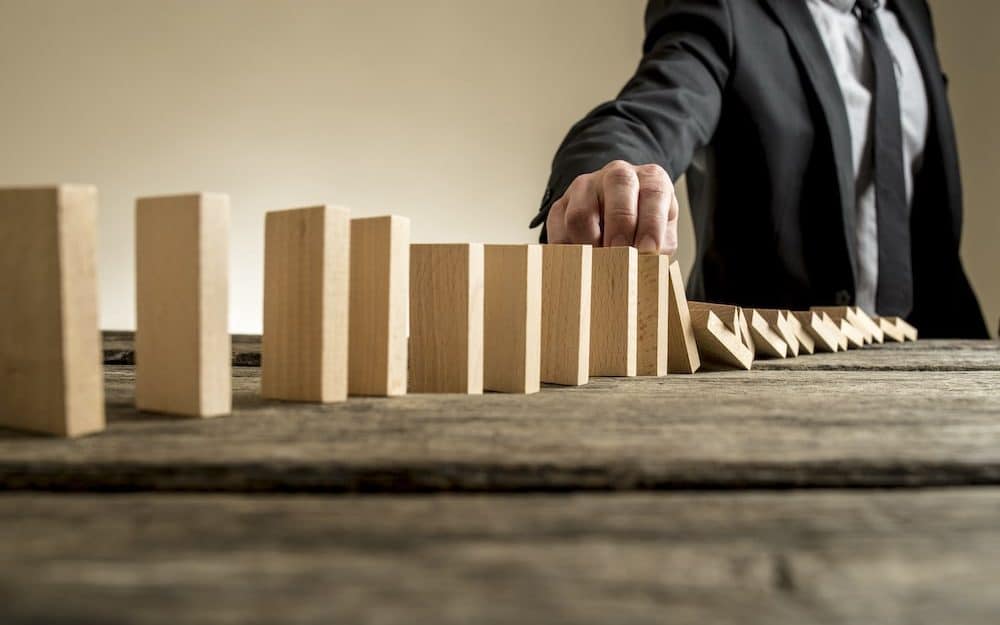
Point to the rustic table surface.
(861, 487)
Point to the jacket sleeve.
(667, 110)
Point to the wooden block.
(855, 339)
(767, 342)
(744, 332)
(380, 291)
(850, 315)
(890, 329)
(613, 311)
(717, 329)
(50, 351)
(653, 305)
(182, 344)
(864, 321)
(304, 350)
(807, 344)
(446, 318)
(682, 351)
(778, 322)
(908, 332)
(821, 333)
(566, 289)
(835, 331)
(512, 318)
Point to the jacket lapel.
(799, 27)
(918, 30)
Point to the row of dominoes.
(352, 308)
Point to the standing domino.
(182, 345)
(50, 353)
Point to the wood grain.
(306, 304)
(682, 351)
(50, 350)
(711, 430)
(446, 318)
(379, 302)
(182, 312)
(653, 305)
(782, 558)
(512, 318)
(614, 311)
(566, 290)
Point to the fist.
(620, 204)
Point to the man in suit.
(819, 150)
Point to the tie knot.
(866, 8)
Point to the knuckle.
(578, 219)
(620, 173)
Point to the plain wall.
(447, 112)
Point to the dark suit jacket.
(746, 91)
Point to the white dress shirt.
(844, 42)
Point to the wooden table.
(841, 488)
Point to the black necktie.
(895, 275)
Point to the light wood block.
(717, 328)
(890, 329)
(863, 320)
(821, 333)
(807, 344)
(744, 331)
(446, 318)
(653, 307)
(682, 351)
(304, 351)
(855, 339)
(614, 311)
(380, 291)
(512, 318)
(850, 315)
(50, 352)
(566, 291)
(182, 343)
(835, 331)
(767, 342)
(904, 329)
(779, 323)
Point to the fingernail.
(620, 241)
(647, 245)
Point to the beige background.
(444, 111)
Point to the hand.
(632, 204)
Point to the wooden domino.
(834, 331)
(512, 318)
(778, 321)
(50, 351)
(182, 343)
(902, 331)
(819, 332)
(682, 350)
(807, 344)
(379, 296)
(848, 315)
(613, 311)
(855, 339)
(304, 351)
(767, 342)
(862, 320)
(566, 292)
(717, 328)
(744, 332)
(653, 304)
(446, 318)
(890, 329)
